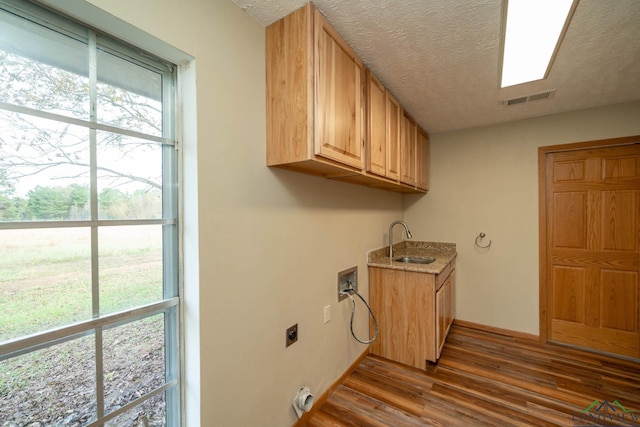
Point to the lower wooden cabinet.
(414, 312)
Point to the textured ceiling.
(440, 58)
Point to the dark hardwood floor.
(485, 379)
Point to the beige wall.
(485, 180)
(270, 242)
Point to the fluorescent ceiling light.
(532, 32)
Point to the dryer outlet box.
(291, 335)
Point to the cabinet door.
(418, 304)
(393, 121)
(452, 299)
(402, 302)
(339, 85)
(408, 152)
(376, 123)
(442, 315)
(386, 288)
(422, 159)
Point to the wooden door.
(592, 199)
(339, 73)
(377, 138)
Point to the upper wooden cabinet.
(315, 95)
(414, 155)
(317, 107)
(383, 139)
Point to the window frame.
(170, 222)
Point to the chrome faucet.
(391, 235)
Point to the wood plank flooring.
(485, 379)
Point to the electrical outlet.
(327, 313)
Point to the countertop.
(444, 253)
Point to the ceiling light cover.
(532, 31)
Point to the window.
(89, 308)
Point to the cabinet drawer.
(444, 275)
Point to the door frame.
(545, 333)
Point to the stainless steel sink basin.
(415, 260)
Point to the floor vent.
(528, 98)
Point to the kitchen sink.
(415, 260)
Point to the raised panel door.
(377, 125)
(393, 120)
(593, 248)
(408, 151)
(339, 123)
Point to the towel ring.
(480, 237)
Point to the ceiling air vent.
(528, 98)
